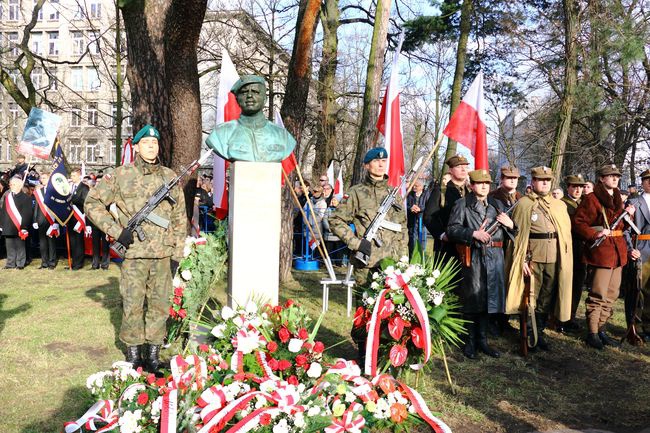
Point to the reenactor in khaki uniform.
(575, 185)
(592, 221)
(146, 270)
(359, 208)
(544, 236)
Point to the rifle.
(623, 216)
(526, 341)
(631, 335)
(162, 193)
(492, 228)
(384, 207)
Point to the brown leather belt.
(644, 237)
(495, 245)
(552, 235)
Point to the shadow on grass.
(108, 295)
(8, 314)
(76, 401)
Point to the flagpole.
(29, 162)
(424, 164)
(67, 241)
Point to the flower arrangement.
(264, 372)
(204, 263)
(409, 311)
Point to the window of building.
(37, 43)
(94, 83)
(13, 42)
(40, 11)
(92, 150)
(54, 81)
(75, 116)
(77, 78)
(113, 154)
(92, 114)
(74, 150)
(113, 113)
(78, 46)
(37, 78)
(14, 10)
(95, 7)
(13, 113)
(54, 10)
(53, 38)
(93, 44)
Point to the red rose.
(143, 398)
(272, 346)
(182, 313)
(283, 364)
(292, 380)
(289, 303)
(319, 347)
(277, 309)
(178, 291)
(172, 312)
(273, 364)
(284, 334)
(417, 335)
(265, 419)
(151, 378)
(301, 360)
(239, 377)
(177, 300)
(161, 381)
(303, 334)
(307, 346)
(204, 348)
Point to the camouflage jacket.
(129, 187)
(359, 209)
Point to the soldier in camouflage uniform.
(146, 270)
(359, 209)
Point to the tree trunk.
(294, 108)
(367, 131)
(119, 85)
(461, 55)
(162, 38)
(326, 126)
(563, 128)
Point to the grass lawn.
(58, 327)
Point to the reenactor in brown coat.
(592, 221)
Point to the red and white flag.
(227, 110)
(467, 124)
(338, 185)
(330, 173)
(127, 151)
(390, 123)
(289, 163)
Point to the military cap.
(375, 153)
(542, 172)
(608, 169)
(456, 160)
(479, 176)
(575, 179)
(645, 174)
(146, 131)
(509, 171)
(247, 79)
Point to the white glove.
(89, 230)
(35, 225)
(56, 226)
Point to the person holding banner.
(15, 220)
(146, 277)
(44, 222)
(77, 224)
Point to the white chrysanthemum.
(129, 422)
(374, 285)
(156, 407)
(295, 344)
(281, 427)
(176, 282)
(349, 397)
(267, 386)
(313, 411)
(315, 370)
(227, 313)
(375, 275)
(96, 381)
(186, 275)
(299, 420)
(430, 281)
(370, 300)
(218, 331)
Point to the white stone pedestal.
(254, 232)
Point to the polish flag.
(338, 185)
(227, 110)
(467, 124)
(127, 151)
(289, 163)
(390, 123)
(330, 173)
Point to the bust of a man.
(251, 137)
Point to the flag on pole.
(338, 185)
(58, 193)
(390, 123)
(330, 173)
(467, 124)
(227, 110)
(289, 163)
(127, 152)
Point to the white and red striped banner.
(80, 226)
(127, 152)
(12, 210)
(102, 411)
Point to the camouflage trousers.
(143, 280)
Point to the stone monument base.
(254, 232)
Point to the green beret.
(247, 79)
(375, 153)
(479, 176)
(146, 131)
(456, 160)
(608, 169)
(541, 173)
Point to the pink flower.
(396, 327)
(398, 355)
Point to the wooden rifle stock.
(631, 335)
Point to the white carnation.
(315, 370)
(313, 411)
(129, 422)
(218, 331)
(299, 420)
(186, 274)
(295, 344)
(227, 313)
(176, 282)
(430, 281)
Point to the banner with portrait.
(40, 132)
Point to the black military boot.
(133, 356)
(594, 341)
(482, 337)
(607, 340)
(470, 343)
(153, 362)
(541, 337)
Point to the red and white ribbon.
(80, 226)
(188, 372)
(420, 310)
(211, 401)
(348, 422)
(102, 411)
(43, 207)
(423, 410)
(169, 411)
(12, 211)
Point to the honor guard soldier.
(145, 272)
(642, 221)
(359, 208)
(575, 185)
(591, 222)
(545, 238)
(482, 289)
